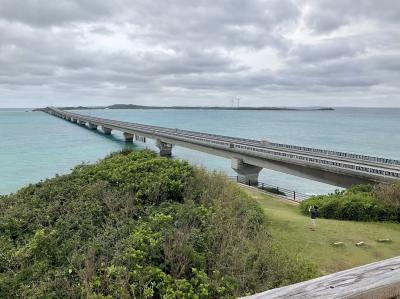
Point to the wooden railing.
(379, 280)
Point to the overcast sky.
(201, 52)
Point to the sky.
(201, 52)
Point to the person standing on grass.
(313, 215)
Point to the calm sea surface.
(35, 146)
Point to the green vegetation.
(290, 228)
(136, 225)
(361, 203)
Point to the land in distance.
(131, 106)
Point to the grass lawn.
(290, 228)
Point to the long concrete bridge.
(248, 157)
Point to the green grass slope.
(291, 230)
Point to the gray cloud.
(327, 16)
(329, 50)
(269, 52)
(45, 13)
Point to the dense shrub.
(388, 195)
(360, 203)
(138, 226)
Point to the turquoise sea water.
(35, 146)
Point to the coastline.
(246, 108)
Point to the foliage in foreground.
(138, 226)
(361, 203)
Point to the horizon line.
(230, 107)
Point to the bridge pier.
(128, 137)
(107, 131)
(165, 148)
(81, 123)
(92, 126)
(73, 120)
(247, 174)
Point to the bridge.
(248, 157)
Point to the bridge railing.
(339, 154)
(380, 280)
(284, 192)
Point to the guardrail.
(380, 280)
(339, 154)
(253, 142)
(287, 193)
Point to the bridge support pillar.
(107, 131)
(73, 120)
(247, 174)
(92, 126)
(128, 137)
(165, 148)
(82, 123)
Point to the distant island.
(131, 106)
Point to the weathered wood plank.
(380, 280)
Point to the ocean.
(35, 146)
